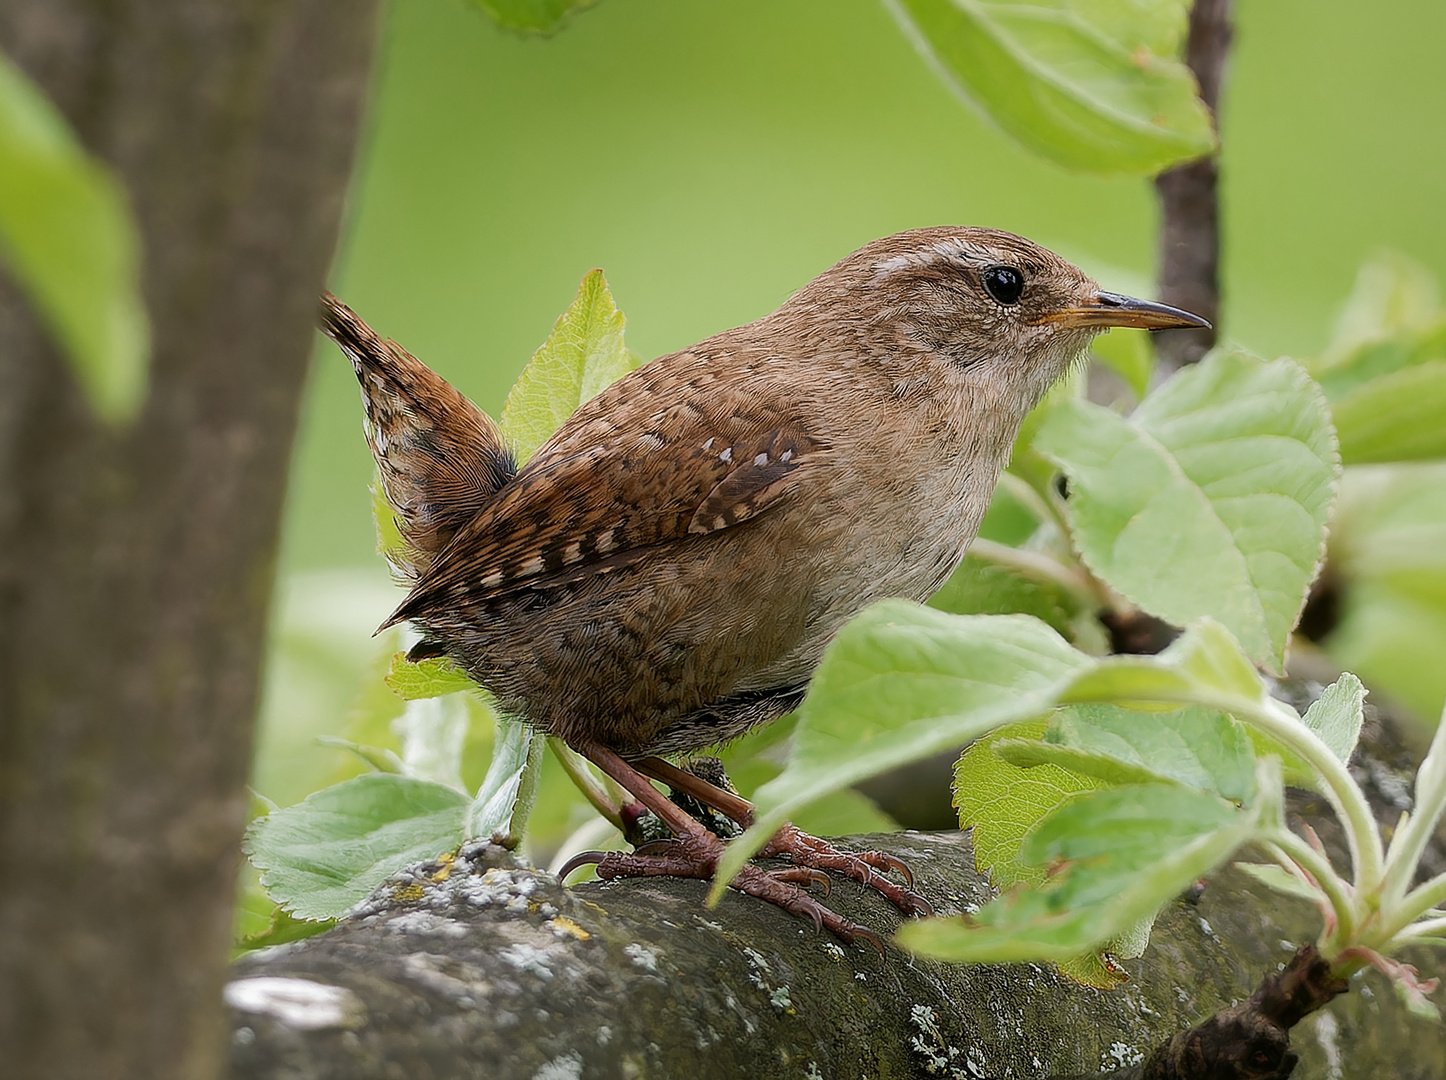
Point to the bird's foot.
(695, 854)
(807, 851)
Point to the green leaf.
(330, 851)
(1197, 747)
(1388, 549)
(433, 731)
(1097, 967)
(981, 587)
(1119, 855)
(282, 928)
(1002, 801)
(1384, 373)
(390, 544)
(583, 355)
(503, 802)
(1396, 417)
(533, 16)
(1275, 877)
(428, 678)
(1104, 92)
(378, 757)
(901, 682)
(1394, 296)
(1211, 500)
(1337, 714)
(68, 236)
(1203, 666)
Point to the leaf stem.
(526, 791)
(1415, 833)
(1285, 848)
(1345, 796)
(1401, 915)
(603, 800)
(1023, 492)
(1037, 566)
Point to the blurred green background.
(713, 157)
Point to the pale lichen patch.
(298, 1003)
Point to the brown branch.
(481, 967)
(1249, 1041)
(1189, 254)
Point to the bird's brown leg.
(694, 853)
(804, 850)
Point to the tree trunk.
(136, 567)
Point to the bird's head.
(979, 301)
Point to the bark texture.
(1189, 259)
(480, 968)
(136, 567)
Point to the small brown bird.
(666, 571)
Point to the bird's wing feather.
(591, 503)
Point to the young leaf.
(433, 731)
(499, 810)
(390, 544)
(1211, 499)
(533, 16)
(901, 682)
(378, 757)
(1394, 296)
(1337, 714)
(428, 678)
(330, 851)
(1395, 417)
(583, 355)
(68, 237)
(1385, 371)
(1276, 878)
(1197, 747)
(1125, 852)
(1107, 95)
(1203, 666)
(1002, 801)
(981, 587)
(1388, 544)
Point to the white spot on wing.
(726, 455)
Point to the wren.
(665, 572)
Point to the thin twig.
(1189, 255)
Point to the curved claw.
(898, 866)
(871, 937)
(582, 858)
(805, 876)
(654, 847)
(919, 906)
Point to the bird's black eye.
(1004, 283)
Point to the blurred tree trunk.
(136, 567)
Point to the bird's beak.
(1112, 309)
